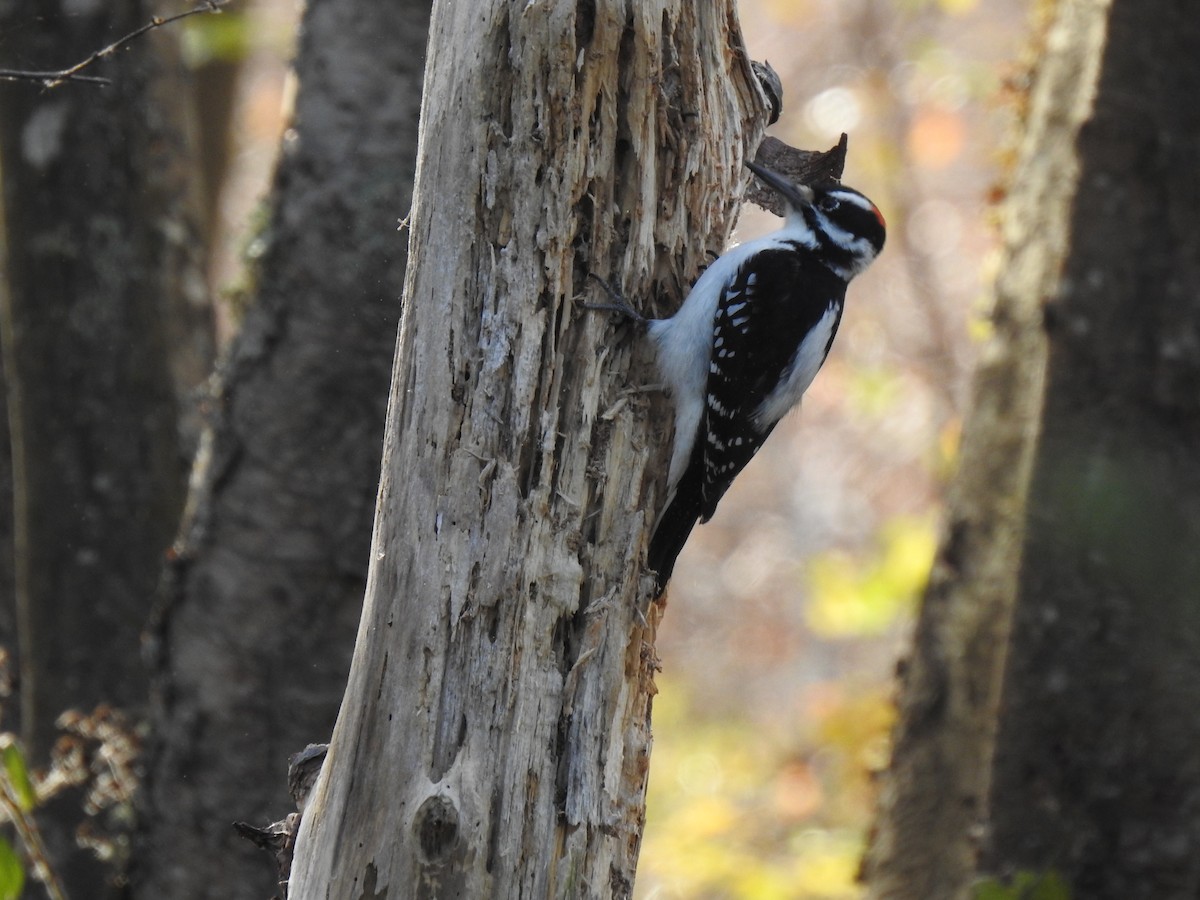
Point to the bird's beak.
(798, 196)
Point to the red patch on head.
(879, 216)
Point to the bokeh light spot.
(833, 111)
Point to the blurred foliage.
(96, 754)
(946, 451)
(873, 390)
(233, 36)
(952, 7)
(1024, 886)
(745, 810)
(854, 595)
(221, 38)
(16, 778)
(18, 799)
(12, 872)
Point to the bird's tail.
(672, 530)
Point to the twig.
(31, 838)
(55, 78)
(49, 79)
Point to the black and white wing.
(774, 323)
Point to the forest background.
(789, 611)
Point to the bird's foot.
(619, 304)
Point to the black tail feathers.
(670, 534)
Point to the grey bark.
(102, 278)
(494, 739)
(1096, 771)
(253, 645)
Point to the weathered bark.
(8, 581)
(1096, 768)
(254, 643)
(494, 739)
(933, 796)
(100, 235)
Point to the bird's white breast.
(801, 371)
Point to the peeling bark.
(494, 739)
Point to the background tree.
(103, 319)
(265, 588)
(494, 738)
(1096, 772)
(782, 604)
(1075, 508)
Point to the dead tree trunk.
(932, 806)
(494, 738)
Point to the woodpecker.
(748, 341)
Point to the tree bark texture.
(103, 272)
(253, 645)
(494, 739)
(932, 805)
(1097, 767)
(9, 636)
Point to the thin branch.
(49, 79)
(31, 839)
(55, 78)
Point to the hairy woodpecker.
(748, 341)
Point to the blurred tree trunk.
(254, 643)
(1096, 771)
(105, 327)
(10, 720)
(494, 739)
(1047, 714)
(933, 796)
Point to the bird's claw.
(619, 304)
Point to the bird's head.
(838, 220)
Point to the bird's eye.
(828, 204)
